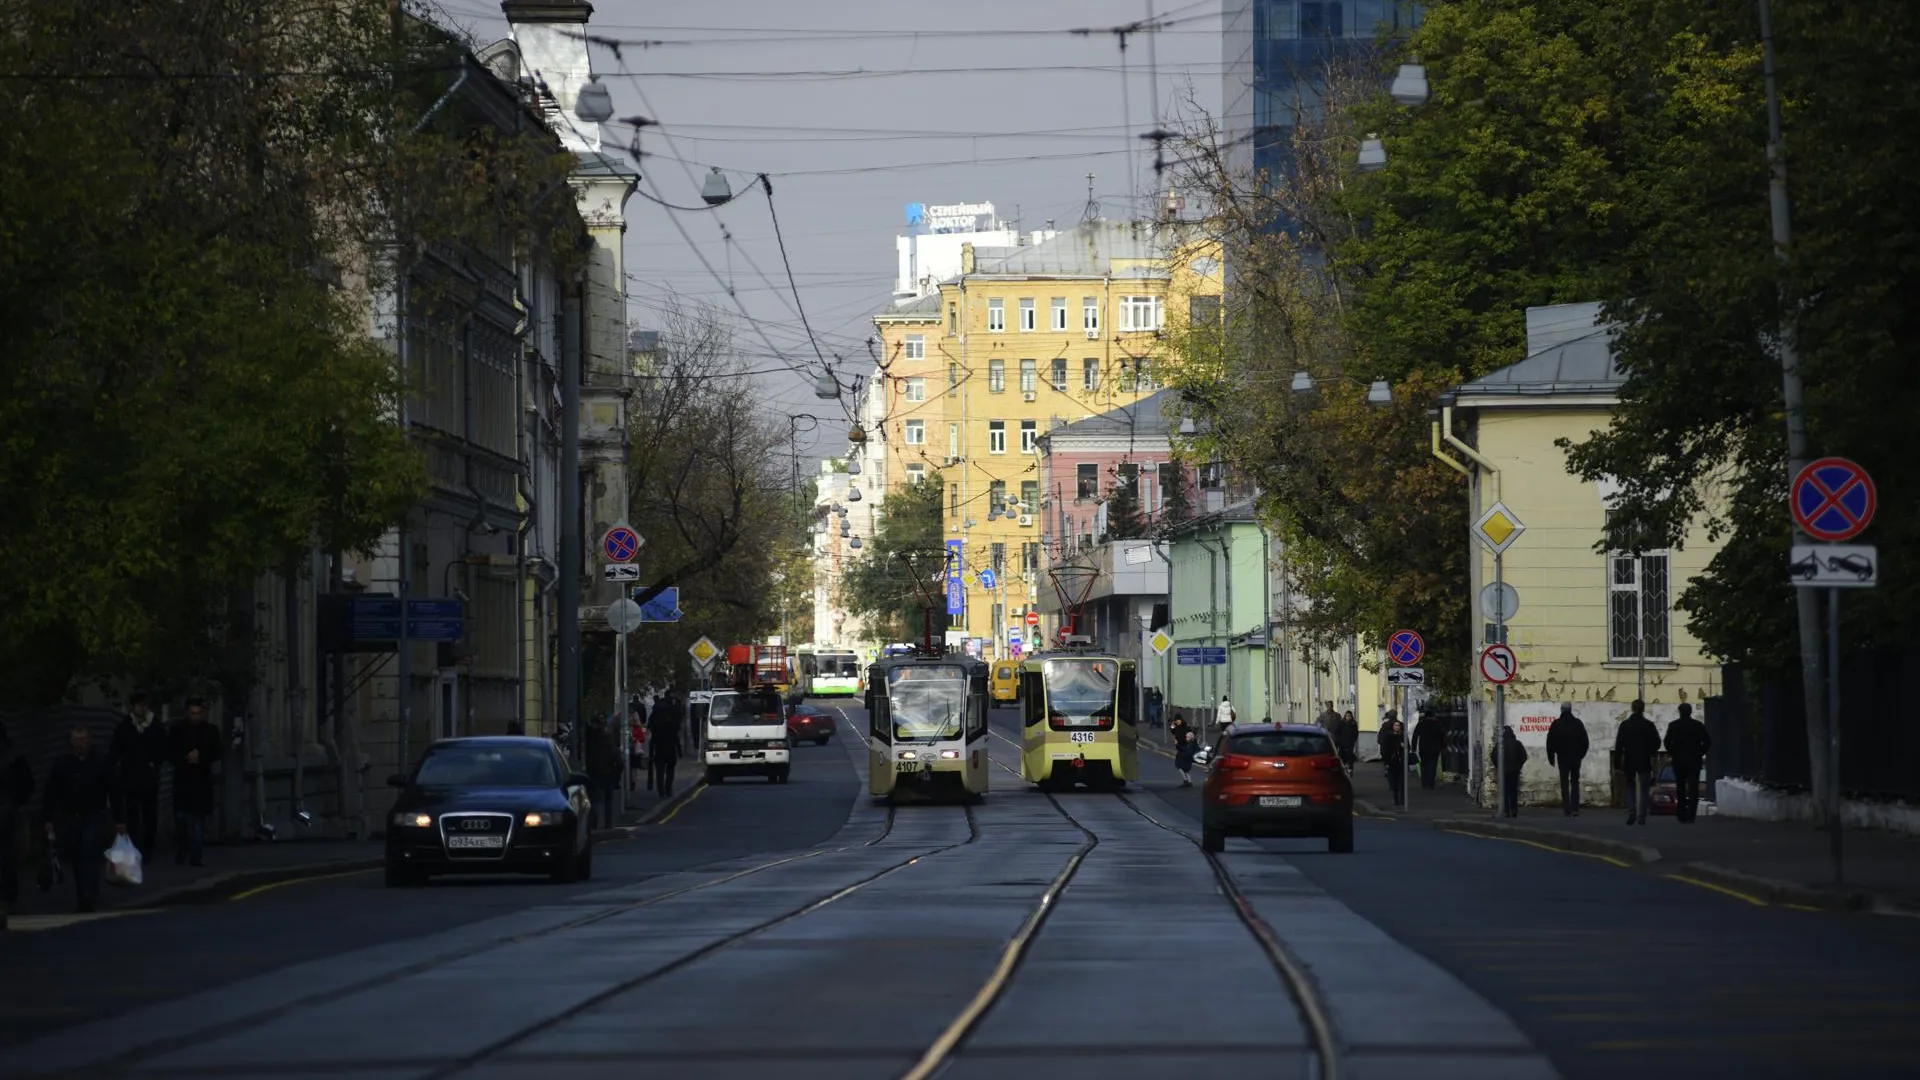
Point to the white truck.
(746, 733)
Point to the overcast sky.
(854, 109)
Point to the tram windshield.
(927, 702)
(1080, 693)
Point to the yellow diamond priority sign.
(1160, 642)
(703, 651)
(1498, 528)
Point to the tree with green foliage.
(196, 202)
(1124, 521)
(902, 565)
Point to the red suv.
(1277, 780)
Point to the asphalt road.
(799, 931)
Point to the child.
(1183, 757)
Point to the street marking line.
(272, 885)
(699, 790)
(1721, 889)
(34, 924)
(1621, 863)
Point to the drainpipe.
(1266, 612)
(571, 552)
(1475, 764)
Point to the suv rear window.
(1279, 744)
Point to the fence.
(1759, 728)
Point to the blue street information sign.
(986, 579)
(956, 578)
(373, 618)
(1200, 654)
(436, 620)
(1406, 647)
(1833, 500)
(664, 607)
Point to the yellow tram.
(927, 717)
(1079, 712)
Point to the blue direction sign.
(1833, 500)
(436, 620)
(373, 618)
(956, 578)
(1200, 654)
(621, 544)
(664, 607)
(987, 580)
(1406, 647)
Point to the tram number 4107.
(1083, 736)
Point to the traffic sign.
(1406, 647)
(621, 544)
(1498, 528)
(621, 571)
(1406, 676)
(1498, 664)
(1160, 642)
(436, 620)
(703, 652)
(1835, 566)
(1033, 618)
(1833, 499)
(1200, 654)
(664, 607)
(1499, 601)
(624, 616)
(986, 579)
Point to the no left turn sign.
(1498, 664)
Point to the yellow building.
(1594, 629)
(1023, 340)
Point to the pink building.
(1082, 462)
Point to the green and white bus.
(826, 671)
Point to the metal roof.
(1569, 353)
(1144, 417)
(1090, 249)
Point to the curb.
(661, 809)
(1776, 891)
(1553, 838)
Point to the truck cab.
(746, 734)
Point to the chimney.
(966, 258)
(553, 50)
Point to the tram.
(1079, 713)
(928, 720)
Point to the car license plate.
(1279, 800)
(476, 841)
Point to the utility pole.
(1806, 602)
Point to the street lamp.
(853, 466)
(825, 387)
(1380, 393)
(1409, 86)
(716, 191)
(854, 543)
(1302, 383)
(1373, 154)
(853, 493)
(1187, 426)
(595, 104)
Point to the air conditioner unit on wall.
(1026, 519)
(1029, 396)
(1093, 335)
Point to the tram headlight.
(909, 755)
(950, 755)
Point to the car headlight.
(544, 817)
(718, 746)
(776, 744)
(412, 820)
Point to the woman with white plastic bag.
(123, 862)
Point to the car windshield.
(487, 766)
(1279, 744)
(1080, 692)
(748, 708)
(927, 702)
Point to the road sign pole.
(624, 738)
(1833, 730)
(1406, 749)
(1499, 693)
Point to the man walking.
(1393, 754)
(1329, 720)
(1516, 756)
(79, 802)
(603, 769)
(663, 746)
(138, 751)
(1429, 743)
(1566, 749)
(193, 745)
(1634, 746)
(16, 789)
(1687, 744)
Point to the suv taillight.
(1233, 761)
(1329, 763)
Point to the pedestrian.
(79, 806)
(193, 746)
(1687, 745)
(1347, 739)
(1328, 718)
(1393, 752)
(1566, 749)
(16, 791)
(637, 750)
(663, 750)
(1184, 752)
(137, 752)
(1635, 745)
(1156, 705)
(1223, 717)
(1516, 756)
(1177, 729)
(603, 769)
(1429, 743)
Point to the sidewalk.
(236, 867)
(1780, 862)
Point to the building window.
(953, 376)
(1141, 312)
(916, 389)
(996, 315)
(1143, 376)
(999, 556)
(1088, 480)
(1026, 315)
(1638, 605)
(996, 436)
(1213, 476)
(1090, 314)
(915, 347)
(953, 500)
(997, 496)
(953, 319)
(1090, 374)
(953, 441)
(996, 376)
(916, 472)
(1029, 377)
(1059, 313)
(1204, 310)
(1060, 374)
(1029, 496)
(1029, 431)
(916, 433)
(1030, 557)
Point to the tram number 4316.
(1083, 736)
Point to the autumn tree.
(902, 565)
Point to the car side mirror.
(577, 780)
(397, 780)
